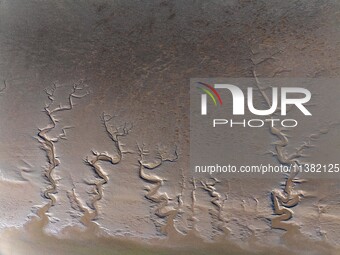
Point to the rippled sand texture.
(94, 130)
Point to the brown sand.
(94, 128)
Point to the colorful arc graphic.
(210, 94)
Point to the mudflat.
(95, 127)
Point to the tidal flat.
(95, 139)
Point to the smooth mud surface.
(94, 127)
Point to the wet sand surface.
(33, 240)
(94, 130)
